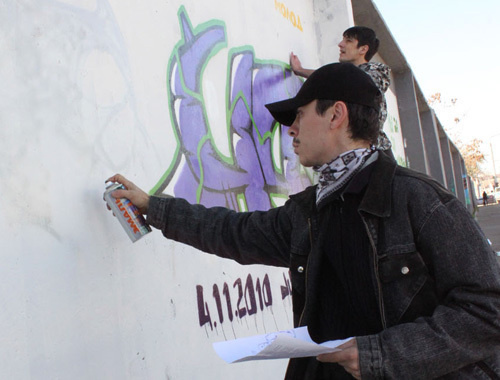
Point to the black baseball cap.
(336, 81)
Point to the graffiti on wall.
(261, 168)
(245, 297)
(288, 14)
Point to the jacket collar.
(378, 195)
(306, 199)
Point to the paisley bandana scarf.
(334, 175)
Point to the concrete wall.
(170, 94)
(392, 126)
(427, 148)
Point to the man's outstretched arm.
(297, 68)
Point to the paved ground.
(488, 218)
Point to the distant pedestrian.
(485, 198)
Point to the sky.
(452, 47)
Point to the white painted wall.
(392, 125)
(85, 94)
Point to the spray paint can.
(129, 216)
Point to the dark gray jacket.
(436, 277)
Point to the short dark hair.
(365, 36)
(363, 120)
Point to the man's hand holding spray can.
(128, 203)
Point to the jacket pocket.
(300, 249)
(299, 254)
(298, 267)
(401, 266)
(407, 288)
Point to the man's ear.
(339, 114)
(363, 49)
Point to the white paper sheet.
(295, 343)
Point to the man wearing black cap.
(358, 46)
(376, 251)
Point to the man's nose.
(292, 130)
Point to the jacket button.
(405, 270)
(300, 269)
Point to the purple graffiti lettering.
(218, 302)
(203, 312)
(286, 290)
(250, 301)
(225, 291)
(241, 311)
(258, 169)
(246, 294)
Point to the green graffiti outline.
(173, 60)
(208, 137)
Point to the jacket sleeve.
(260, 237)
(465, 326)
